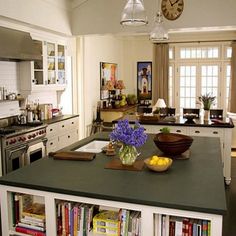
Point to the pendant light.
(134, 13)
(159, 32)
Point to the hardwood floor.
(229, 220)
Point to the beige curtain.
(160, 72)
(232, 99)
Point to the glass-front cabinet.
(55, 63)
(48, 72)
(38, 66)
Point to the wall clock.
(172, 9)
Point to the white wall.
(96, 49)
(135, 49)
(126, 52)
(52, 15)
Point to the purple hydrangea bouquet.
(130, 138)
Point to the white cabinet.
(62, 134)
(46, 73)
(153, 129)
(225, 135)
(149, 214)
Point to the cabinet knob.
(51, 130)
(178, 131)
(215, 132)
(68, 136)
(63, 126)
(197, 132)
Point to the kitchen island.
(191, 188)
(198, 127)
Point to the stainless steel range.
(21, 145)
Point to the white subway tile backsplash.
(9, 76)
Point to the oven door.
(36, 150)
(15, 157)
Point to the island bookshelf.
(150, 225)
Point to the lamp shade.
(159, 32)
(109, 85)
(160, 103)
(134, 13)
(120, 84)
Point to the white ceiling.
(103, 17)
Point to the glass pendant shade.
(134, 14)
(159, 32)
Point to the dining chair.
(216, 114)
(187, 111)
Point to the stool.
(96, 127)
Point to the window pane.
(171, 55)
(182, 53)
(187, 53)
(187, 86)
(228, 52)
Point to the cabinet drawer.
(178, 129)
(52, 144)
(52, 130)
(152, 129)
(68, 138)
(72, 123)
(210, 132)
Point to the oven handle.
(23, 148)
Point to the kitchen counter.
(58, 119)
(178, 121)
(199, 127)
(195, 184)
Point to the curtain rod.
(203, 41)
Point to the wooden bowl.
(172, 144)
(158, 168)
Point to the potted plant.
(207, 100)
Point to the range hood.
(17, 45)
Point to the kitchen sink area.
(95, 146)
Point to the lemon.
(155, 158)
(152, 162)
(161, 162)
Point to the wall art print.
(108, 78)
(144, 80)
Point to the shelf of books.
(40, 213)
(186, 223)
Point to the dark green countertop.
(179, 121)
(58, 119)
(195, 184)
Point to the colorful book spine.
(76, 215)
(204, 228)
(29, 231)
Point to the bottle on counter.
(1, 93)
(4, 93)
(29, 115)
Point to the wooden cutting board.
(73, 155)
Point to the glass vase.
(206, 116)
(128, 154)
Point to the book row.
(28, 216)
(78, 219)
(165, 225)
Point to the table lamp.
(159, 104)
(109, 86)
(120, 85)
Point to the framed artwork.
(108, 78)
(144, 80)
